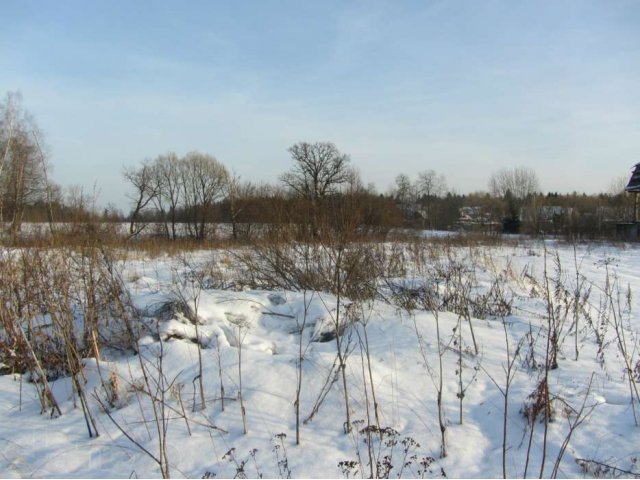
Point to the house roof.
(634, 181)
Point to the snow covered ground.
(267, 330)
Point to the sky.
(461, 87)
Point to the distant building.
(634, 182)
(551, 212)
(477, 219)
(631, 230)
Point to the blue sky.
(461, 87)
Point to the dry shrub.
(351, 269)
(444, 276)
(539, 404)
(64, 303)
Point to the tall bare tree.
(522, 182)
(404, 193)
(7, 126)
(516, 187)
(145, 190)
(237, 193)
(23, 165)
(203, 181)
(430, 186)
(318, 169)
(169, 180)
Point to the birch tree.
(23, 165)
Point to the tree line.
(321, 194)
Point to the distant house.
(477, 219)
(634, 182)
(630, 231)
(634, 187)
(549, 212)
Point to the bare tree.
(169, 185)
(237, 194)
(50, 190)
(23, 179)
(515, 187)
(318, 171)
(7, 126)
(617, 185)
(431, 183)
(203, 181)
(145, 185)
(405, 194)
(522, 182)
(622, 201)
(430, 186)
(169, 180)
(319, 168)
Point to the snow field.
(267, 326)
